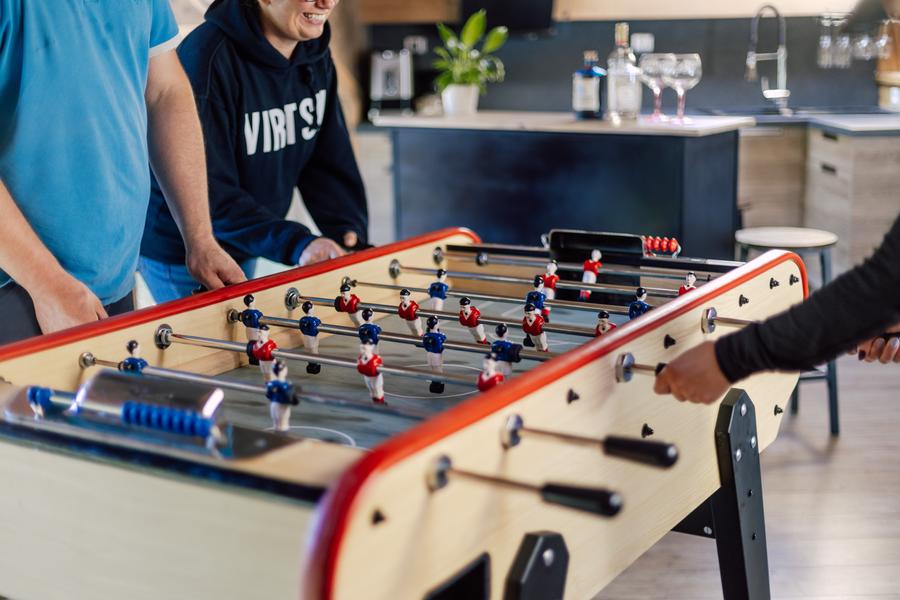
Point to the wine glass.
(681, 75)
(652, 68)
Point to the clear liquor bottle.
(623, 79)
(586, 88)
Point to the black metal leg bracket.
(733, 515)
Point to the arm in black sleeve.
(239, 221)
(331, 185)
(858, 305)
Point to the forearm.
(22, 254)
(178, 160)
(855, 306)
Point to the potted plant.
(465, 69)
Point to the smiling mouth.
(315, 18)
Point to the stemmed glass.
(652, 68)
(681, 75)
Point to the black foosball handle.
(593, 500)
(657, 454)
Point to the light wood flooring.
(832, 506)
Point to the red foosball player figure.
(533, 326)
(689, 280)
(367, 365)
(489, 377)
(262, 350)
(409, 312)
(470, 317)
(590, 269)
(603, 324)
(348, 303)
(550, 280)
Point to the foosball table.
(432, 419)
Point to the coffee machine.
(391, 84)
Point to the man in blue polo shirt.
(90, 91)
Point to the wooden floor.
(832, 505)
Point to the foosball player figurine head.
(309, 328)
(133, 363)
(639, 306)
(433, 342)
(689, 283)
(603, 324)
(367, 366)
(552, 267)
(404, 297)
(442, 275)
(489, 376)
(280, 393)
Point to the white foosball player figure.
(689, 283)
(433, 342)
(550, 280)
(470, 318)
(262, 350)
(367, 366)
(408, 311)
(489, 376)
(348, 303)
(533, 326)
(309, 328)
(590, 270)
(603, 324)
(280, 393)
(437, 291)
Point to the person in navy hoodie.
(266, 90)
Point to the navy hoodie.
(269, 124)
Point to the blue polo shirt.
(73, 128)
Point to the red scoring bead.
(674, 246)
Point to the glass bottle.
(623, 79)
(586, 88)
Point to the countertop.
(563, 122)
(858, 125)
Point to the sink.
(794, 111)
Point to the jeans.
(170, 282)
(19, 321)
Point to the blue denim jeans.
(170, 282)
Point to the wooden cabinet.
(409, 11)
(853, 190)
(772, 175)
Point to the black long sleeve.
(859, 304)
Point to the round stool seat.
(785, 237)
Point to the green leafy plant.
(460, 62)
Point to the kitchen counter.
(858, 125)
(560, 122)
(511, 175)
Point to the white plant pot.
(460, 100)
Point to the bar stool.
(804, 242)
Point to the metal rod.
(496, 298)
(575, 439)
(566, 285)
(563, 266)
(732, 322)
(518, 485)
(335, 361)
(487, 320)
(403, 339)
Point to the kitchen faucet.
(780, 94)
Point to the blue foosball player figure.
(134, 363)
(368, 329)
(437, 291)
(507, 352)
(433, 342)
(309, 328)
(280, 393)
(638, 307)
(537, 297)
